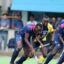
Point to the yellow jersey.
(50, 30)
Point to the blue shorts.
(20, 37)
(57, 43)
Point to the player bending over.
(23, 40)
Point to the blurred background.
(14, 14)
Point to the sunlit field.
(6, 60)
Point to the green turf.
(6, 60)
(33, 61)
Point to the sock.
(21, 60)
(14, 55)
(50, 56)
(61, 60)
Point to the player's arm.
(61, 38)
(39, 41)
(52, 30)
(27, 41)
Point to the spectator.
(58, 20)
(54, 22)
(17, 23)
(32, 21)
(5, 22)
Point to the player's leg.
(61, 60)
(50, 47)
(14, 55)
(25, 56)
(17, 49)
(44, 51)
(51, 54)
(55, 50)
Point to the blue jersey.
(61, 32)
(21, 34)
(24, 30)
(58, 43)
(62, 22)
(61, 28)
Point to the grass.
(6, 60)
